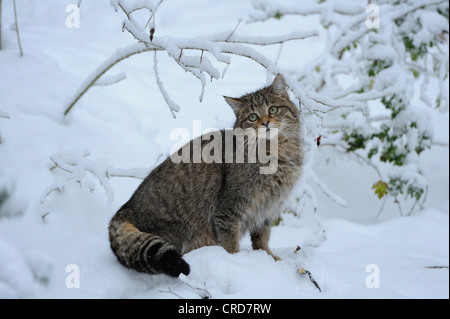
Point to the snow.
(65, 179)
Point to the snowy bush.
(387, 50)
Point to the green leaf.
(278, 16)
(381, 189)
(415, 72)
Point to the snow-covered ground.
(54, 244)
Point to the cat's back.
(179, 190)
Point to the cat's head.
(267, 109)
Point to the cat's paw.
(173, 264)
(276, 258)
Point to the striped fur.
(180, 206)
(142, 251)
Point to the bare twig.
(280, 48)
(17, 28)
(44, 216)
(424, 198)
(382, 207)
(4, 115)
(358, 156)
(399, 206)
(440, 143)
(303, 271)
(169, 291)
(412, 208)
(118, 56)
(203, 293)
(237, 25)
(0, 24)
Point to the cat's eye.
(252, 117)
(273, 110)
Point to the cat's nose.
(266, 123)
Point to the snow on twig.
(109, 80)
(218, 45)
(335, 198)
(75, 168)
(172, 105)
(115, 58)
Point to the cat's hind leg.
(260, 239)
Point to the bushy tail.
(142, 251)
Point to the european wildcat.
(183, 206)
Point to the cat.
(183, 206)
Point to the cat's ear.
(236, 104)
(278, 86)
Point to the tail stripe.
(143, 251)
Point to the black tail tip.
(173, 265)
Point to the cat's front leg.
(260, 239)
(228, 233)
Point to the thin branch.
(55, 189)
(421, 4)
(171, 292)
(436, 267)
(203, 293)
(0, 24)
(219, 45)
(412, 208)
(305, 11)
(4, 115)
(396, 201)
(237, 25)
(43, 216)
(174, 107)
(17, 28)
(421, 205)
(108, 64)
(105, 81)
(235, 46)
(440, 143)
(303, 271)
(110, 80)
(279, 53)
(332, 196)
(382, 207)
(365, 160)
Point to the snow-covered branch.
(115, 58)
(76, 167)
(211, 50)
(112, 79)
